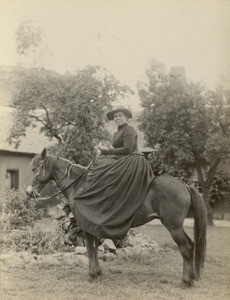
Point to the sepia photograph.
(115, 149)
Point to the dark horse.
(169, 200)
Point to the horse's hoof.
(186, 284)
(98, 274)
(94, 276)
(194, 277)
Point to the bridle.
(68, 170)
(62, 189)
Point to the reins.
(68, 186)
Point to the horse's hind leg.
(186, 246)
(92, 249)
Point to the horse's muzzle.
(31, 192)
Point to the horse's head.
(42, 166)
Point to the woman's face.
(119, 118)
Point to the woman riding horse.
(120, 192)
(117, 185)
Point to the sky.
(123, 35)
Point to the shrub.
(18, 217)
(36, 241)
(73, 233)
(17, 212)
(220, 189)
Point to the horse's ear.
(43, 154)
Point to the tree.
(31, 44)
(69, 108)
(188, 127)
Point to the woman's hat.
(125, 111)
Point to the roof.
(32, 143)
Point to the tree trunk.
(207, 186)
(208, 207)
(205, 192)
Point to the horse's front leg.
(92, 249)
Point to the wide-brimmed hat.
(116, 109)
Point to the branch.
(47, 113)
(68, 122)
(55, 135)
(223, 128)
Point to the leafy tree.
(187, 125)
(69, 108)
(31, 44)
(28, 36)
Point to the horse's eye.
(35, 171)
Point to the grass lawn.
(155, 276)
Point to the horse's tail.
(200, 227)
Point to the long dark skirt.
(113, 192)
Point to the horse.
(169, 200)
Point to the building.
(15, 170)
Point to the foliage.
(31, 44)
(71, 230)
(37, 241)
(68, 108)
(28, 36)
(187, 125)
(218, 105)
(220, 189)
(17, 212)
(18, 218)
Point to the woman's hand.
(98, 152)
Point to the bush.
(73, 233)
(36, 241)
(17, 212)
(18, 218)
(220, 189)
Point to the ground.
(145, 277)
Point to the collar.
(122, 126)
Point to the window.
(12, 179)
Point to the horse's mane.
(68, 161)
(50, 160)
